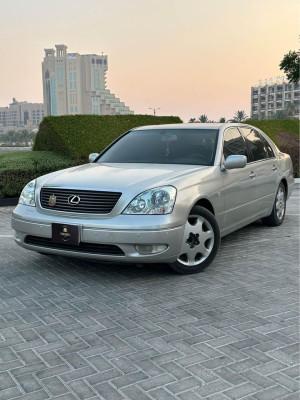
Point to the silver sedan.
(163, 193)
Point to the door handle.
(274, 168)
(252, 175)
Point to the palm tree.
(291, 109)
(239, 116)
(280, 114)
(203, 118)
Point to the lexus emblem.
(74, 200)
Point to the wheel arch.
(284, 181)
(205, 203)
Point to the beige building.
(76, 84)
(21, 115)
(272, 95)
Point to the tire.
(200, 244)
(277, 215)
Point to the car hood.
(118, 176)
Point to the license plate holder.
(65, 234)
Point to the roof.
(193, 125)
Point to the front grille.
(91, 201)
(83, 247)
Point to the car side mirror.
(235, 161)
(93, 156)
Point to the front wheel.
(200, 243)
(278, 211)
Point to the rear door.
(263, 169)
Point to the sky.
(182, 57)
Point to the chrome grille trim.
(91, 201)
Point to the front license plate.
(65, 234)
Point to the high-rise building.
(272, 95)
(76, 84)
(21, 114)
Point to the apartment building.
(21, 114)
(272, 95)
(76, 84)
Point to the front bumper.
(30, 221)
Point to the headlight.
(28, 194)
(154, 201)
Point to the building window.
(96, 79)
(60, 74)
(53, 92)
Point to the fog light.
(17, 235)
(150, 248)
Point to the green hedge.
(285, 134)
(20, 167)
(274, 126)
(79, 135)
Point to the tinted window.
(166, 146)
(268, 147)
(255, 143)
(234, 143)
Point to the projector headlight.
(28, 194)
(159, 200)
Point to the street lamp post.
(154, 110)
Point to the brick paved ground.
(79, 330)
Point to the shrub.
(285, 134)
(290, 144)
(273, 126)
(79, 135)
(19, 167)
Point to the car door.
(263, 169)
(238, 193)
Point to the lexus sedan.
(158, 194)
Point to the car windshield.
(164, 146)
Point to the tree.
(203, 118)
(291, 110)
(192, 120)
(239, 116)
(222, 120)
(290, 66)
(280, 114)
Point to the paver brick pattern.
(74, 329)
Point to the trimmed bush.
(285, 134)
(79, 135)
(290, 144)
(20, 167)
(273, 126)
